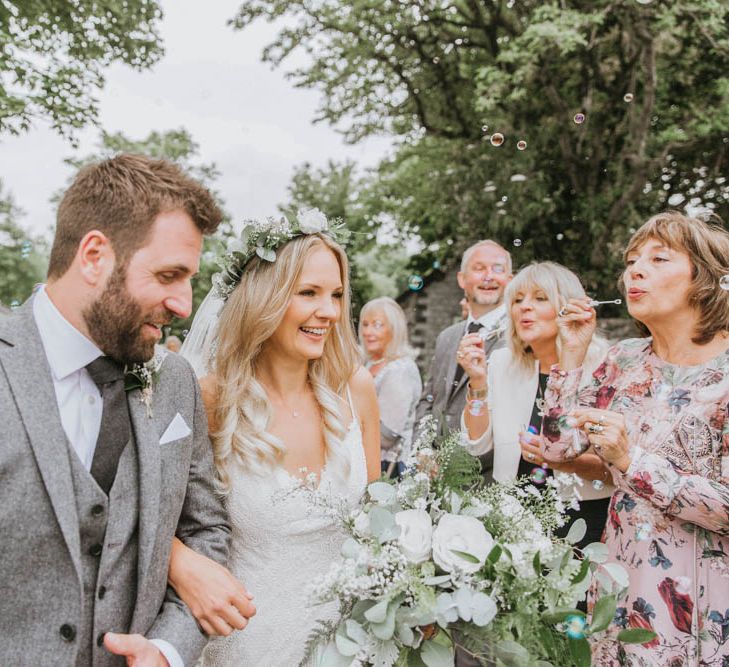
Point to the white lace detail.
(278, 546)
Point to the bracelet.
(475, 394)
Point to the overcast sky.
(246, 118)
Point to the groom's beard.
(115, 322)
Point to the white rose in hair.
(312, 221)
(416, 533)
(466, 534)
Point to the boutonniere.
(144, 377)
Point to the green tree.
(622, 108)
(23, 257)
(53, 54)
(177, 146)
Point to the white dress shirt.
(488, 320)
(79, 400)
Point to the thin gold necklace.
(294, 413)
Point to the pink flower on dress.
(604, 397)
(636, 620)
(642, 483)
(680, 605)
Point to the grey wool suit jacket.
(441, 398)
(40, 561)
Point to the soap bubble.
(14, 304)
(415, 283)
(475, 408)
(560, 236)
(643, 532)
(184, 333)
(25, 249)
(628, 97)
(532, 429)
(521, 145)
(518, 178)
(538, 476)
(575, 626)
(517, 242)
(485, 128)
(579, 118)
(436, 264)
(724, 282)
(497, 139)
(676, 199)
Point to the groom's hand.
(138, 650)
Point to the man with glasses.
(485, 273)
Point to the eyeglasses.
(495, 268)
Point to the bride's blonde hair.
(249, 318)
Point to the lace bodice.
(279, 545)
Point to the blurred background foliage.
(554, 127)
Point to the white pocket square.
(176, 430)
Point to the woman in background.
(507, 394)
(656, 411)
(383, 335)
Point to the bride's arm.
(364, 396)
(217, 600)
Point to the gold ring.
(562, 311)
(530, 456)
(595, 428)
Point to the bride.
(286, 400)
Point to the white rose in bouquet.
(416, 534)
(312, 221)
(460, 533)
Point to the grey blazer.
(40, 570)
(440, 397)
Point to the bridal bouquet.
(438, 560)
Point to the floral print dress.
(668, 523)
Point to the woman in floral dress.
(657, 413)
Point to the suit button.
(68, 632)
(100, 639)
(97, 510)
(102, 592)
(96, 549)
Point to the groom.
(97, 477)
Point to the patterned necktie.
(473, 327)
(116, 427)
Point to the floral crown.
(261, 238)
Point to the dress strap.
(351, 403)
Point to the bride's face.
(314, 309)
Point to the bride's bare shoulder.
(209, 393)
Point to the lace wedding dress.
(279, 545)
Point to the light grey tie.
(116, 427)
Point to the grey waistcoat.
(109, 547)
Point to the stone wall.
(435, 307)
